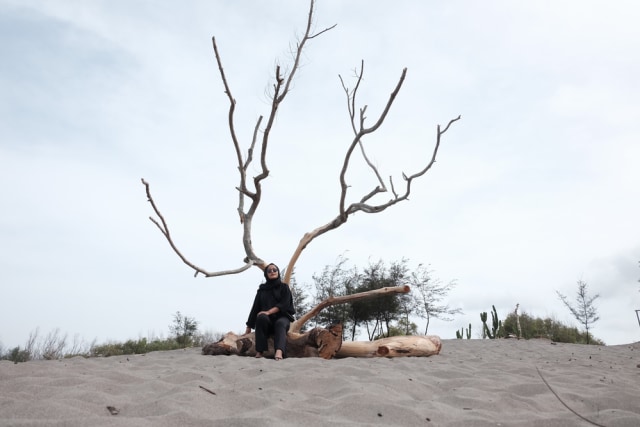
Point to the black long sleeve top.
(271, 295)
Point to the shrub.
(547, 328)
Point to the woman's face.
(272, 271)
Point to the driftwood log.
(399, 346)
(327, 343)
(318, 342)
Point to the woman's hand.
(269, 312)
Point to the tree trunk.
(318, 342)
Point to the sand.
(470, 383)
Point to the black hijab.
(271, 283)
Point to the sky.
(534, 189)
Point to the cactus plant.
(462, 332)
(485, 328)
(496, 328)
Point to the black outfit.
(273, 293)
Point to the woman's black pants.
(266, 327)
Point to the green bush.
(16, 355)
(184, 328)
(140, 346)
(546, 328)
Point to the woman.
(271, 313)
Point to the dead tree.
(250, 191)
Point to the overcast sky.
(535, 188)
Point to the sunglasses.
(272, 270)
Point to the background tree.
(408, 307)
(386, 315)
(333, 282)
(300, 295)
(428, 294)
(184, 328)
(382, 311)
(398, 273)
(584, 309)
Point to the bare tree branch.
(243, 172)
(360, 131)
(281, 88)
(231, 120)
(296, 63)
(357, 140)
(351, 95)
(164, 229)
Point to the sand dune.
(470, 383)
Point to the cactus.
(485, 328)
(462, 332)
(496, 328)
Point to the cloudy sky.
(535, 188)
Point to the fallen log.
(327, 343)
(318, 342)
(399, 346)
